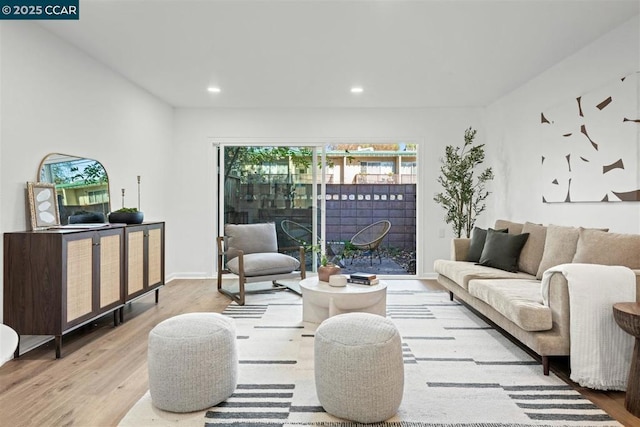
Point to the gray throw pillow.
(502, 250)
(478, 237)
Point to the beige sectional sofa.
(513, 299)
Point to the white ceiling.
(308, 53)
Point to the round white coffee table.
(321, 301)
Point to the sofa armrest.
(460, 248)
(559, 301)
(559, 304)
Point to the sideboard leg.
(58, 346)
(450, 296)
(157, 295)
(16, 353)
(121, 314)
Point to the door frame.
(218, 203)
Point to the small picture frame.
(43, 205)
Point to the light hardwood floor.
(103, 371)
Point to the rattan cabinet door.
(78, 283)
(135, 261)
(144, 259)
(155, 255)
(93, 283)
(111, 271)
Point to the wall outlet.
(441, 233)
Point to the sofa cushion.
(462, 272)
(559, 247)
(599, 247)
(264, 264)
(502, 250)
(478, 238)
(251, 238)
(531, 254)
(518, 300)
(513, 227)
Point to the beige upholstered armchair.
(250, 251)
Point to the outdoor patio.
(396, 262)
(361, 264)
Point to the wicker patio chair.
(370, 237)
(297, 232)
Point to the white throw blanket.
(600, 350)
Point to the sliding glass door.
(321, 196)
(273, 184)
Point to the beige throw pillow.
(513, 227)
(599, 247)
(532, 252)
(559, 247)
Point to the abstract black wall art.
(590, 145)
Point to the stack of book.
(363, 279)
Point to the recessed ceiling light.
(213, 89)
(357, 89)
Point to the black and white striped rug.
(459, 371)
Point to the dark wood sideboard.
(59, 279)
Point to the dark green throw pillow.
(501, 250)
(478, 237)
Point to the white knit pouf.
(193, 361)
(359, 368)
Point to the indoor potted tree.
(464, 192)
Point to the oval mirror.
(82, 187)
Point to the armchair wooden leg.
(235, 297)
(219, 281)
(303, 268)
(241, 284)
(238, 298)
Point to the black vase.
(86, 218)
(126, 217)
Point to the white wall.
(57, 99)
(513, 123)
(193, 220)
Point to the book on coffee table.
(364, 282)
(363, 276)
